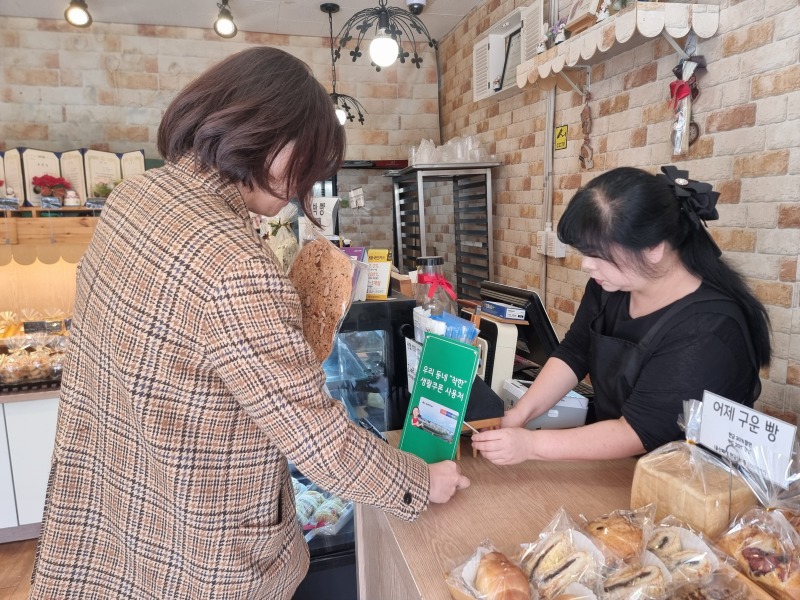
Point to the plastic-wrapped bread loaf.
(688, 483)
(323, 278)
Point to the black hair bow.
(697, 198)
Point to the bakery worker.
(188, 383)
(662, 318)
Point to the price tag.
(733, 430)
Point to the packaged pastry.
(648, 580)
(16, 368)
(764, 543)
(766, 549)
(39, 366)
(562, 556)
(9, 324)
(57, 345)
(685, 554)
(622, 532)
(329, 512)
(717, 586)
(488, 575)
(323, 276)
(685, 481)
(576, 591)
(306, 504)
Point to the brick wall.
(749, 116)
(106, 88)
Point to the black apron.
(615, 364)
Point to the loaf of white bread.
(686, 482)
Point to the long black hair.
(625, 211)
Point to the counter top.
(507, 505)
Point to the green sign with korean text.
(439, 399)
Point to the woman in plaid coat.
(188, 382)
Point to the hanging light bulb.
(344, 105)
(383, 49)
(77, 14)
(392, 25)
(224, 25)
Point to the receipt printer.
(570, 411)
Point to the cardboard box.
(403, 285)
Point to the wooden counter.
(506, 505)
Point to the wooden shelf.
(67, 225)
(630, 27)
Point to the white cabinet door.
(31, 427)
(8, 508)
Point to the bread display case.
(366, 371)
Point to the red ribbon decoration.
(678, 90)
(436, 281)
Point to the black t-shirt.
(705, 351)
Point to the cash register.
(517, 352)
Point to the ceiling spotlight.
(224, 25)
(77, 14)
(391, 24)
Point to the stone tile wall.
(749, 116)
(106, 88)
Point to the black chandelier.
(344, 104)
(392, 25)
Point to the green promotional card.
(439, 399)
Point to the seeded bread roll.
(322, 276)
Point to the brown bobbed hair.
(239, 114)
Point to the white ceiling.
(292, 17)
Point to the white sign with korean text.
(733, 430)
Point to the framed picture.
(512, 59)
(582, 15)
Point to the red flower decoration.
(51, 182)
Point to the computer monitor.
(537, 340)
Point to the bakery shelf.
(628, 28)
(36, 225)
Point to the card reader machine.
(501, 340)
(570, 411)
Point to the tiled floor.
(16, 565)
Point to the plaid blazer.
(186, 387)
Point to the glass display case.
(366, 371)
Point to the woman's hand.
(505, 446)
(446, 478)
(514, 417)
